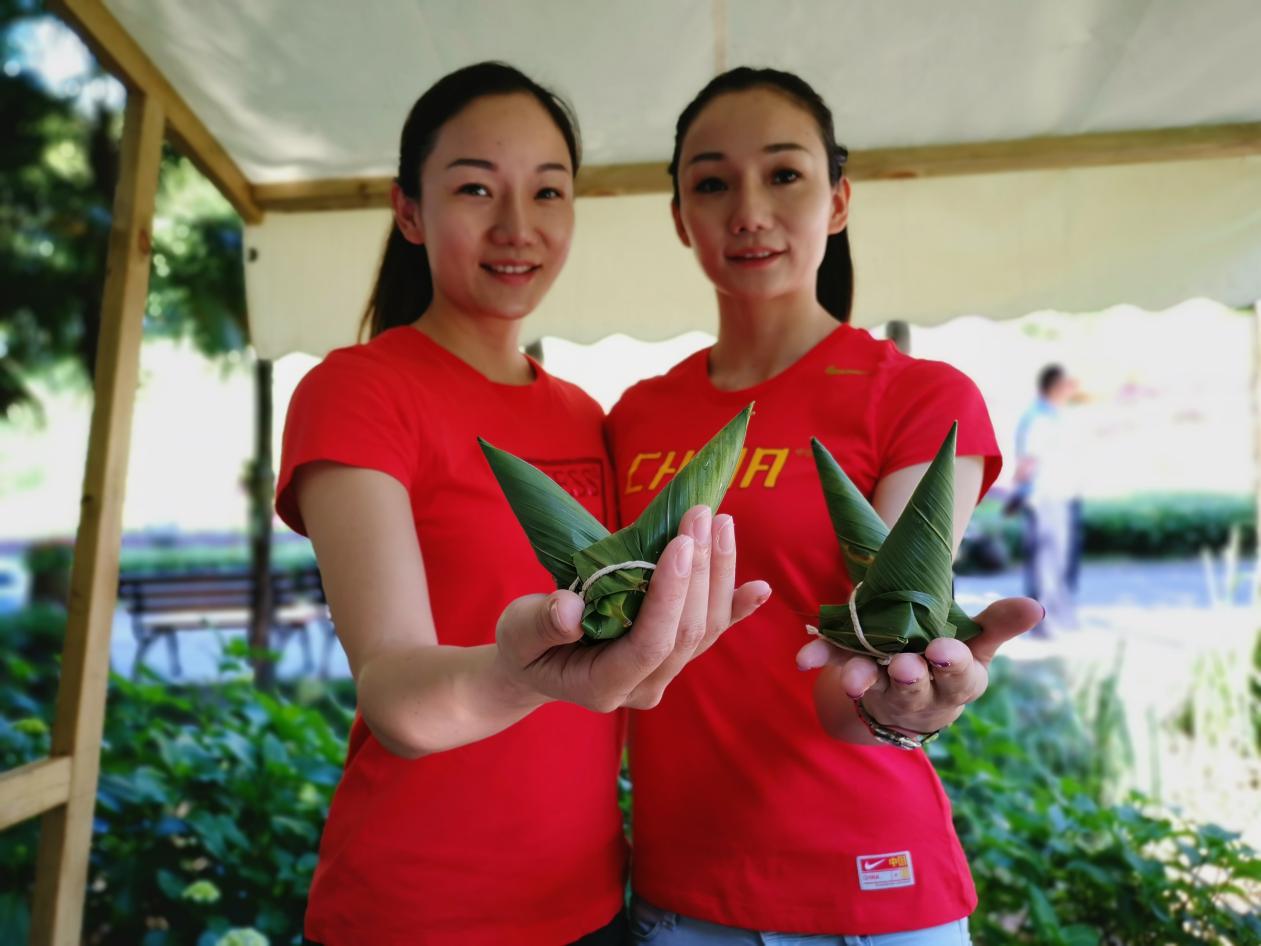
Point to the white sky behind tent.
(46, 47)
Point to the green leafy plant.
(209, 809)
(1149, 525)
(49, 566)
(1055, 865)
(212, 799)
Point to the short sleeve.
(915, 409)
(350, 411)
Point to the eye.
(785, 176)
(475, 190)
(709, 185)
(550, 193)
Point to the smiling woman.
(477, 176)
(479, 801)
(760, 197)
(785, 151)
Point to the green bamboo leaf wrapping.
(573, 546)
(703, 481)
(554, 521)
(906, 596)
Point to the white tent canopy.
(924, 251)
(1058, 153)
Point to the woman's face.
(496, 208)
(755, 201)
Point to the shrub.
(49, 566)
(1155, 525)
(1055, 866)
(209, 810)
(211, 802)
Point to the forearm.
(432, 698)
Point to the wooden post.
(900, 334)
(262, 484)
(1255, 591)
(66, 832)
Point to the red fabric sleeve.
(914, 412)
(346, 413)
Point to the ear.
(678, 224)
(406, 215)
(839, 217)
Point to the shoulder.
(666, 386)
(375, 364)
(350, 382)
(903, 377)
(574, 399)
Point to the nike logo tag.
(885, 871)
(833, 370)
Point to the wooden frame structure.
(62, 788)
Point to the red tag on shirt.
(882, 871)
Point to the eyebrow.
(775, 148)
(491, 166)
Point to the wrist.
(511, 688)
(898, 736)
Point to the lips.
(509, 267)
(754, 256)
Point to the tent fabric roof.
(297, 91)
(308, 92)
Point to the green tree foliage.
(58, 168)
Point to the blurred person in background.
(1048, 494)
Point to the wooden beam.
(33, 789)
(989, 157)
(332, 193)
(118, 51)
(1060, 153)
(66, 834)
(615, 180)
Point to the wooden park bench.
(161, 604)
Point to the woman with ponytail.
(478, 803)
(765, 808)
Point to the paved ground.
(1181, 583)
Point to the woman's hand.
(914, 693)
(691, 601)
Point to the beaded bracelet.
(892, 737)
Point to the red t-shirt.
(516, 838)
(746, 812)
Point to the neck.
(758, 339)
(488, 344)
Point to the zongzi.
(611, 571)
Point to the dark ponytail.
(835, 287)
(404, 284)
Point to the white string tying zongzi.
(881, 657)
(606, 570)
